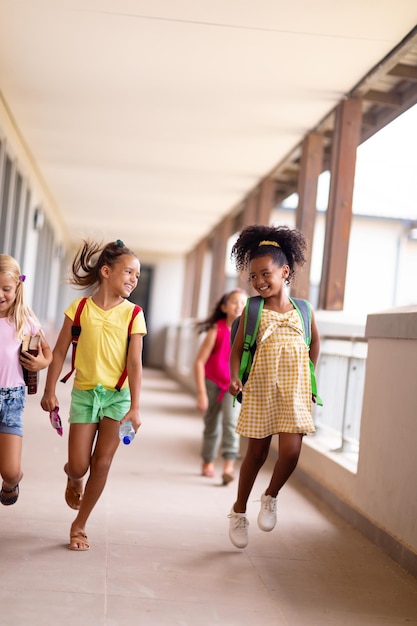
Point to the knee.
(291, 456)
(75, 470)
(11, 478)
(259, 457)
(100, 465)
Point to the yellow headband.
(268, 243)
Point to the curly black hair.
(253, 242)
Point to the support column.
(249, 212)
(198, 263)
(265, 201)
(311, 167)
(220, 237)
(339, 212)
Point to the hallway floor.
(160, 553)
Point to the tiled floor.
(160, 553)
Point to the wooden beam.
(385, 98)
(265, 201)
(339, 211)
(188, 294)
(220, 238)
(310, 170)
(408, 72)
(249, 212)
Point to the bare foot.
(208, 470)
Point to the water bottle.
(126, 433)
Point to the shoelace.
(270, 505)
(241, 522)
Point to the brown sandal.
(72, 497)
(8, 500)
(79, 539)
(227, 478)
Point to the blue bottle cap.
(126, 439)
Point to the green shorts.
(89, 406)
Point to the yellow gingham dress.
(277, 394)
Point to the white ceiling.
(150, 120)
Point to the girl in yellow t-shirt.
(97, 408)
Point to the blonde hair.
(19, 314)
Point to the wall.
(380, 499)
(165, 304)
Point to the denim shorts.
(89, 406)
(12, 403)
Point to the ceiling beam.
(385, 98)
(409, 72)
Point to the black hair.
(286, 246)
(91, 257)
(217, 313)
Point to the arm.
(203, 354)
(235, 357)
(315, 340)
(49, 400)
(134, 373)
(314, 346)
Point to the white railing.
(340, 380)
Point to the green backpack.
(253, 313)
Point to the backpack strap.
(75, 334)
(252, 317)
(123, 376)
(303, 308)
(304, 311)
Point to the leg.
(80, 445)
(255, 457)
(288, 453)
(106, 445)
(230, 439)
(211, 428)
(10, 466)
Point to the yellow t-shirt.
(101, 352)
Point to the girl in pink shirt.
(212, 377)
(16, 321)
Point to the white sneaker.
(267, 517)
(238, 529)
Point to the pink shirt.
(11, 374)
(217, 366)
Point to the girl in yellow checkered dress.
(277, 397)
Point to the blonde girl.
(111, 272)
(17, 320)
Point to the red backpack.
(76, 332)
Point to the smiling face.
(123, 276)
(8, 288)
(266, 277)
(234, 305)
